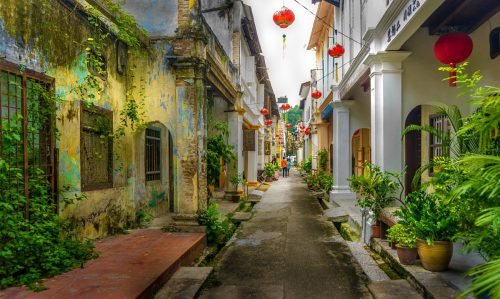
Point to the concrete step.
(393, 289)
(185, 283)
(367, 263)
(135, 265)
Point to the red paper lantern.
(302, 127)
(288, 126)
(284, 17)
(316, 94)
(336, 51)
(264, 111)
(307, 131)
(268, 122)
(451, 49)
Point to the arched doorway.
(413, 147)
(361, 150)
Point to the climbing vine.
(35, 242)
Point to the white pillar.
(341, 154)
(236, 139)
(260, 161)
(386, 108)
(314, 150)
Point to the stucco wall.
(158, 17)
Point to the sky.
(288, 72)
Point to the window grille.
(25, 108)
(436, 146)
(96, 148)
(153, 154)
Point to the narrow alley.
(288, 251)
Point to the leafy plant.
(376, 188)
(325, 181)
(307, 165)
(217, 149)
(428, 214)
(39, 245)
(402, 235)
(219, 228)
(236, 180)
(269, 169)
(323, 159)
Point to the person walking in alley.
(283, 166)
(288, 166)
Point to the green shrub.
(219, 228)
(323, 159)
(402, 235)
(38, 246)
(307, 165)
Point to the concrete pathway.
(287, 250)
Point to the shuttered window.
(96, 148)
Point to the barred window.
(26, 110)
(96, 148)
(153, 154)
(436, 146)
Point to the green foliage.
(402, 235)
(432, 219)
(320, 181)
(293, 115)
(143, 216)
(236, 180)
(323, 159)
(270, 169)
(307, 165)
(219, 228)
(217, 149)
(38, 246)
(376, 188)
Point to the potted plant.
(435, 224)
(269, 170)
(405, 238)
(375, 188)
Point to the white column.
(341, 154)
(314, 150)
(235, 122)
(386, 108)
(260, 161)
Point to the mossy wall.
(48, 37)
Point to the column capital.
(386, 60)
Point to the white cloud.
(288, 72)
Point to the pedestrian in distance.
(283, 166)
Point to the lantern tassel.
(284, 44)
(336, 72)
(452, 81)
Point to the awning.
(325, 114)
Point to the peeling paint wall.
(107, 211)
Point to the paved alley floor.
(287, 250)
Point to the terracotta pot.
(435, 257)
(393, 245)
(376, 230)
(407, 256)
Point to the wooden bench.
(387, 219)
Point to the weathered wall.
(158, 17)
(221, 22)
(106, 211)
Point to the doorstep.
(135, 265)
(429, 284)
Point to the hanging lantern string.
(336, 31)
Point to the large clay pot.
(376, 230)
(407, 256)
(435, 257)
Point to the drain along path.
(287, 250)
